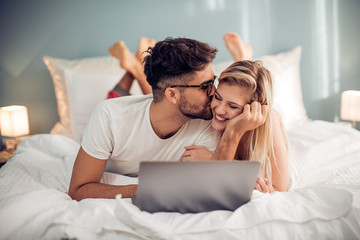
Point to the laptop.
(192, 187)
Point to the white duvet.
(323, 202)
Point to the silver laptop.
(192, 187)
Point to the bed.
(322, 203)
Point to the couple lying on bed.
(173, 121)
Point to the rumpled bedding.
(322, 203)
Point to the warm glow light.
(14, 121)
(350, 105)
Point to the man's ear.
(172, 95)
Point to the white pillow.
(287, 96)
(79, 86)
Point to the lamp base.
(4, 157)
(10, 144)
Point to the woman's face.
(228, 102)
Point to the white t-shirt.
(120, 130)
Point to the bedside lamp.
(14, 122)
(350, 106)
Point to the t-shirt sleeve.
(97, 139)
(209, 138)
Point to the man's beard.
(193, 111)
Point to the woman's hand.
(262, 185)
(195, 152)
(253, 116)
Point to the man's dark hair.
(173, 61)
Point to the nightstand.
(4, 157)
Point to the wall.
(327, 30)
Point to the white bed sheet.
(323, 202)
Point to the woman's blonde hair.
(257, 144)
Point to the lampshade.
(350, 105)
(14, 121)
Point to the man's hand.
(194, 152)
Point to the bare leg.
(126, 81)
(144, 44)
(130, 62)
(237, 48)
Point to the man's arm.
(86, 176)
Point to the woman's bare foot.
(237, 48)
(144, 44)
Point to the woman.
(252, 130)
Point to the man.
(124, 131)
